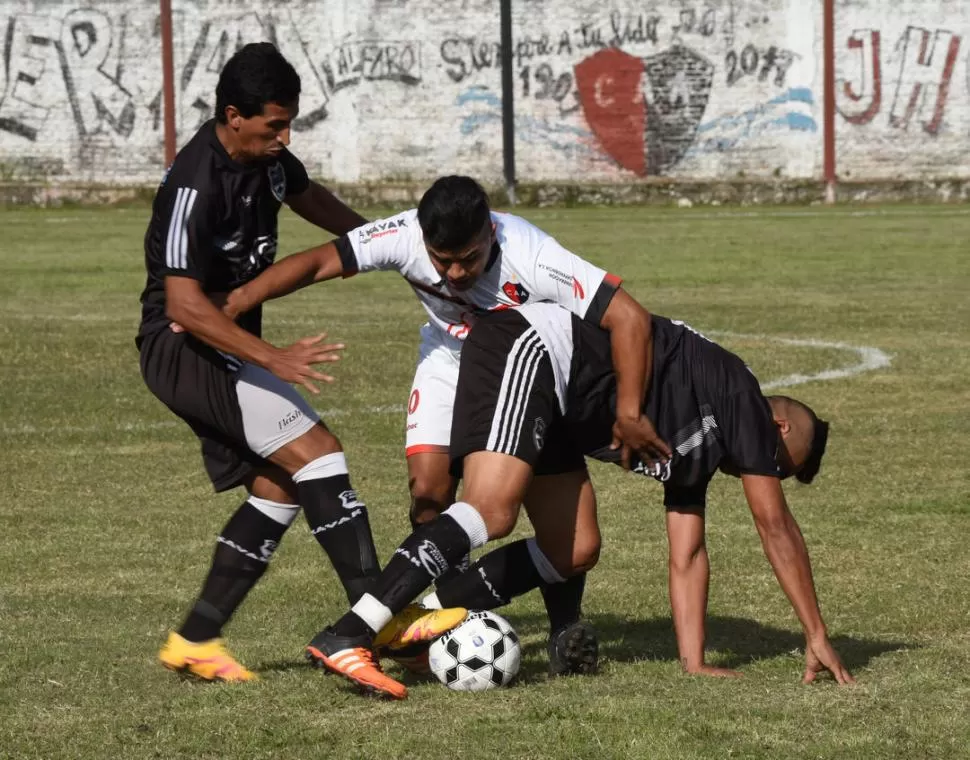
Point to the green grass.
(107, 521)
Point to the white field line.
(868, 359)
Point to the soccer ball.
(481, 653)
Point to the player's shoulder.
(517, 236)
(399, 228)
(195, 167)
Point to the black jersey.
(215, 220)
(703, 401)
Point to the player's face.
(463, 267)
(263, 136)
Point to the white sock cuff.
(326, 466)
(431, 601)
(276, 511)
(372, 612)
(470, 521)
(542, 563)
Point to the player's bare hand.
(231, 306)
(638, 435)
(713, 672)
(820, 655)
(295, 363)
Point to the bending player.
(463, 260)
(534, 382)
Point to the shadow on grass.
(735, 642)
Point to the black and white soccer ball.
(481, 653)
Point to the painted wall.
(408, 89)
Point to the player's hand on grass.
(638, 435)
(820, 655)
(294, 364)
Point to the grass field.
(107, 521)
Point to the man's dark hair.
(452, 212)
(820, 440)
(256, 75)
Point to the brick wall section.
(403, 90)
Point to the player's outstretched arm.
(689, 574)
(188, 306)
(631, 346)
(785, 548)
(284, 277)
(319, 206)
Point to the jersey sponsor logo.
(565, 278)
(277, 181)
(414, 401)
(658, 470)
(539, 433)
(515, 292)
(379, 230)
(290, 418)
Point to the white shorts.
(273, 411)
(432, 395)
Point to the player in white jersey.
(462, 260)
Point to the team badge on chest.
(277, 181)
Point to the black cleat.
(573, 650)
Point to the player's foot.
(413, 658)
(573, 650)
(415, 624)
(352, 658)
(207, 660)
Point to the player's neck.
(227, 138)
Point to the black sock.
(493, 580)
(423, 556)
(338, 520)
(564, 601)
(242, 554)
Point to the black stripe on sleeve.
(601, 299)
(348, 259)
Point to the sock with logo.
(243, 551)
(338, 520)
(423, 556)
(492, 581)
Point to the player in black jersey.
(213, 228)
(537, 391)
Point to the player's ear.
(784, 426)
(233, 117)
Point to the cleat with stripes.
(414, 625)
(352, 658)
(573, 650)
(207, 660)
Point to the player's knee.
(499, 517)
(586, 553)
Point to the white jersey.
(526, 266)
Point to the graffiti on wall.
(77, 59)
(923, 77)
(643, 82)
(88, 62)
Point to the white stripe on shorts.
(520, 372)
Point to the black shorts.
(506, 399)
(199, 385)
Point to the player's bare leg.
(430, 483)
(562, 509)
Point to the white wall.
(409, 89)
